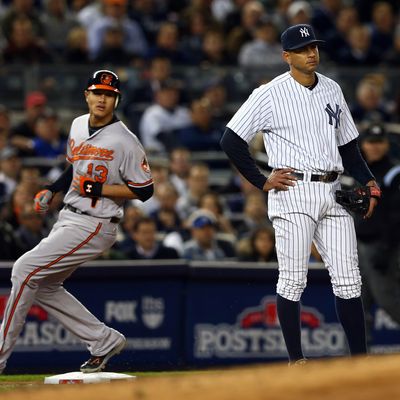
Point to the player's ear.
(286, 57)
(86, 95)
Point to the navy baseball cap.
(375, 132)
(298, 36)
(201, 218)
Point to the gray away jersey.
(302, 128)
(112, 155)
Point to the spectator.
(23, 46)
(115, 15)
(5, 126)
(382, 26)
(323, 19)
(359, 51)
(24, 9)
(10, 167)
(392, 58)
(76, 50)
(166, 44)
(202, 134)
(370, 104)
(213, 202)
(264, 50)
(132, 214)
(336, 43)
(216, 93)
(378, 238)
(57, 22)
(165, 216)
(198, 185)
(255, 213)
(146, 245)
(213, 51)
(158, 72)
(180, 165)
(203, 245)
(149, 14)
(92, 11)
(31, 227)
(21, 196)
(49, 141)
(259, 246)
(112, 50)
(193, 35)
(35, 103)
(251, 14)
(279, 14)
(299, 12)
(161, 118)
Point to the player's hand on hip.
(42, 201)
(280, 179)
(86, 185)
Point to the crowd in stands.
(190, 216)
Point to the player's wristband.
(375, 192)
(91, 188)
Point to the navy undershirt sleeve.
(63, 182)
(238, 152)
(354, 163)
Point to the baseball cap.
(36, 98)
(202, 218)
(297, 7)
(298, 36)
(375, 132)
(8, 152)
(104, 80)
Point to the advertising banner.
(147, 312)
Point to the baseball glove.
(357, 200)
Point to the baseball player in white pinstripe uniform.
(310, 137)
(108, 166)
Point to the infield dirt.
(373, 378)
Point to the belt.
(113, 220)
(326, 178)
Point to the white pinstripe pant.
(305, 213)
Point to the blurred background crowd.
(185, 66)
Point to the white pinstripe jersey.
(112, 155)
(302, 128)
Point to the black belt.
(326, 178)
(114, 220)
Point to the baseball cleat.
(98, 363)
(298, 363)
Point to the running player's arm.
(63, 182)
(128, 192)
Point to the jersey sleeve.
(253, 116)
(348, 130)
(134, 169)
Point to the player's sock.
(351, 315)
(289, 318)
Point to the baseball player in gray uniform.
(107, 166)
(310, 137)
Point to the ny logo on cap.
(304, 32)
